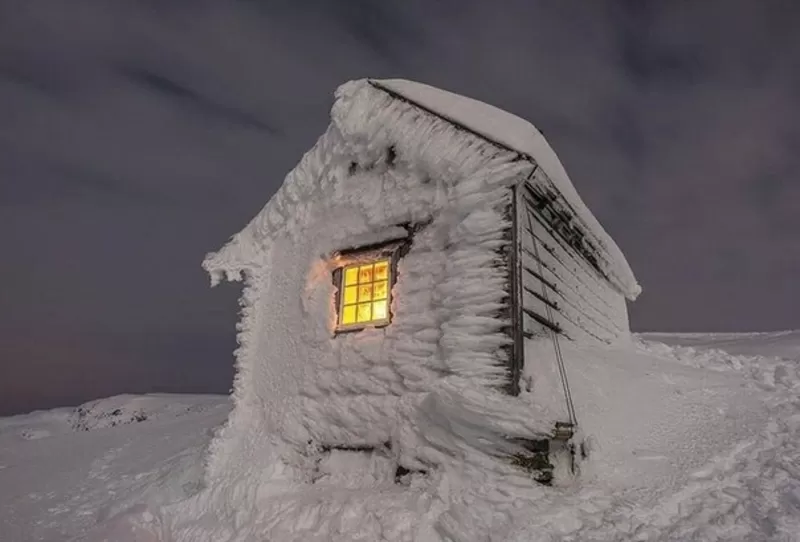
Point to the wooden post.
(517, 353)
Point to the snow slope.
(781, 344)
(64, 471)
(686, 443)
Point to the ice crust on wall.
(428, 384)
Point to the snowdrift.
(780, 344)
(728, 470)
(124, 453)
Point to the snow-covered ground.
(691, 437)
(64, 471)
(781, 344)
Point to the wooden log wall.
(563, 286)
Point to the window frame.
(358, 256)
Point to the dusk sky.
(137, 136)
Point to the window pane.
(350, 295)
(351, 276)
(379, 310)
(382, 271)
(349, 315)
(364, 312)
(365, 273)
(365, 292)
(380, 289)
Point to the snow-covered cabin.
(406, 261)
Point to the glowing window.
(364, 293)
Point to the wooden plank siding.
(510, 255)
(571, 295)
(559, 215)
(557, 261)
(552, 247)
(568, 321)
(563, 286)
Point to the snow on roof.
(490, 124)
(486, 120)
(514, 133)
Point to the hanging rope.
(559, 357)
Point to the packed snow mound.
(780, 344)
(650, 423)
(125, 409)
(105, 413)
(650, 475)
(68, 483)
(36, 425)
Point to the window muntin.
(365, 292)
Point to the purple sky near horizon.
(135, 137)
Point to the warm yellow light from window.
(365, 294)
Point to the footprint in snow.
(34, 434)
(648, 456)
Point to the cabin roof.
(490, 123)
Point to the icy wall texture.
(293, 380)
(428, 384)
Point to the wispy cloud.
(184, 96)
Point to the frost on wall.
(424, 391)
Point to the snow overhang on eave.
(237, 256)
